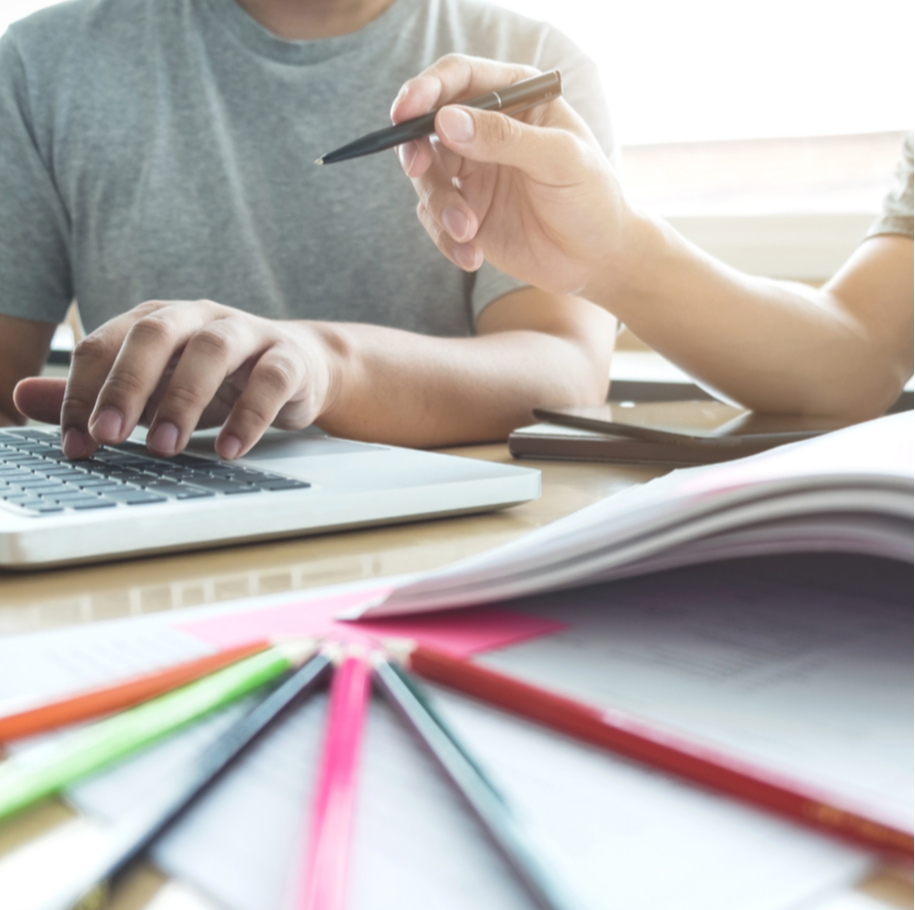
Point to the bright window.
(719, 69)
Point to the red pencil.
(635, 739)
(118, 696)
(333, 811)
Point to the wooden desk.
(64, 597)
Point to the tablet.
(707, 424)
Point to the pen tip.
(319, 161)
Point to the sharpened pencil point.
(319, 161)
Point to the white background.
(727, 69)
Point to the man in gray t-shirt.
(156, 165)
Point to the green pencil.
(45, 770)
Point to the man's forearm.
(407, 389)
(768, 345)
(24, 346)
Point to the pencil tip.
(319, 161)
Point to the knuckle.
(122, 383)
(149, 306)
(503, 130)
(152, 329)
(75, 402)
(454, 66)
(212, 341)
(426, 193)
(93, 347)
(180, 397)
(253, 413)
(278, 373)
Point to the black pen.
(513, 98)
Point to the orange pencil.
(636, 739)
(118, 696)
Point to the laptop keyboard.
(36, 479)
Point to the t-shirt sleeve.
(35, 277)
(581, 88)
(896, 217)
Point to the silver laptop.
(126, 502)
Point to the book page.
(803, 666)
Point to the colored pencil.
(517, 845)
(624, 735)
(40, 772)
(333, 811)
(108, 699)
(132, 836)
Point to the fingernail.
(74, 443)
(397, 100)
(229, 447)
(456, 124)
(456, 223)
(107, 425)
(164, 438)
(407, 155)
(466, 257)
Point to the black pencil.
(512, 99)
(491, 808)
(134, 835)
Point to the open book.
(848, 491)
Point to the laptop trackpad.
(277, 444)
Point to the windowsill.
(800, 247)
(786, 208)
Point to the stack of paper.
(848, 491)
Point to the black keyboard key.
(97, 484)
(44, 508)
(191, 461)
(96, 502)
(190, 493)
(36, 481)
(87, 464)
(220, 485)
(20, 459)
(68, 495)
(133, 497)
(164, 487)
(28, 503)
(284, 483)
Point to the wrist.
(330, 354)
(629, 273)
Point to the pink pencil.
(333, 810)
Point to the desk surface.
(56, 598)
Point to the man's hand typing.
(176, 366)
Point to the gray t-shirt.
(164, 149)
(896, 217)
